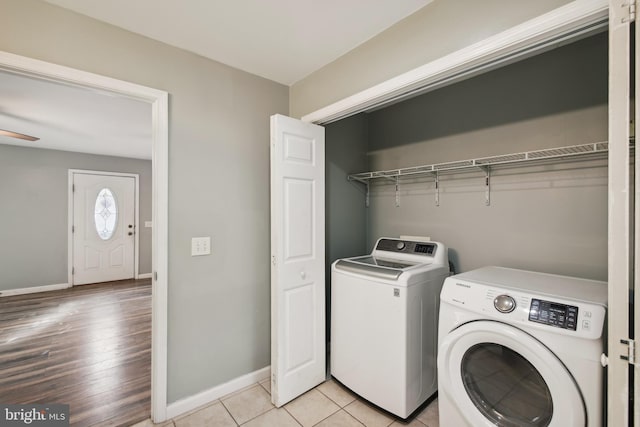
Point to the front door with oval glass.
(103, 230)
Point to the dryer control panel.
(554, 314)
(525, 308)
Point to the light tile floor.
(328, 405)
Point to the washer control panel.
(554, 314)
(408, 247)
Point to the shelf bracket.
(487, 185)
(366, 198)
(437, 188)
(397, 194)
(365, 182)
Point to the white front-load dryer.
(384, 315)
(518, 348)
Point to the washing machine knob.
(504, 303)
(400, 246)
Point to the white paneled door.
(298, 359)
(103, 227)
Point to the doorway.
(542, 34)
(158, 101)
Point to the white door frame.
(575, 20)
(136, 245)
(159, 101)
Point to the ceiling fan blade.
(18, 135)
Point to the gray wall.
(33, 222)
(218, 183)
(551, 218)
(346, 228)
(439, 28)
(346, 151)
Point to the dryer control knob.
(504, 303)
(400, 246)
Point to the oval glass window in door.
(505, 387)
(106, 214)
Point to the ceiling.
(72, 118)
(282, 40)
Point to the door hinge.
(631, 351)
(73, 228)
(155, 276)
(73, 270)
(631, 6)
(73, 188)
(273, 260)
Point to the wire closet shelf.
(565, 154)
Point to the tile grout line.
(292, 416)
(228, 412)
(259, 415)
(265, 389)
(362, 421)
(329, 397)
(330, 415)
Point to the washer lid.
(498, 373)
(375, 266)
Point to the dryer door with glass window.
(499, 375)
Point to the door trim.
(620, 216)
(136, 221)
(577, 19)
(159, 101)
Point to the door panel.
(300, 319)
(103, 228)
(297, 249)
(116, 257)
(298, 218)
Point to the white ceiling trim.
(570, 22)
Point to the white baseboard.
(145, 276)
(190, 403)
(34, 289)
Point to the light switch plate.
(200, 246)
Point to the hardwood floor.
(88, 346)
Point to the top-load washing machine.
(518, 348)
(384, 315)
